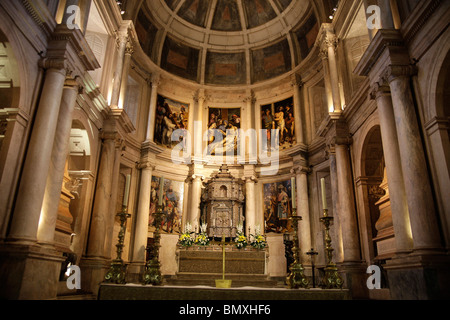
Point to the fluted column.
(296, 85)
(143, 212)
(327, 43)
(49, 213)
(152, 109)
(347, 210)
(419, 195)
(197, 180)
(122, 40)
(30, 195)
(129, 50)
(250, 205)
(301, 178)
(100, 211)
(399, 205)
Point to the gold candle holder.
(296, 278)
(117, 272)
(332, 279)
(152, 274)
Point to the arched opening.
(79, 182)
(373, 170)
(9, 84)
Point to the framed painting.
(170, 116)
(172, 204)
(279, 116)
(223, 131)
(278, 207)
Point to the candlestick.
(161, 191)
(324, 195)
(293, 194)
(127, 191)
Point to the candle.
(127, 191)
(324, 195)
(161, 191)
(294, 199)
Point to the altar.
(223, 203)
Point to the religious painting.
(307, 36)
(278, 206)
(279, 116)
(223, 131)
(172, 205)
(194, 11)
(225, 68)
(258, 12)
(271, 61)
(180, 59)
(226, 17)
(146, 33)
(170, 115)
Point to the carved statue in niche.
(223, 201)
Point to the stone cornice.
(384, 40)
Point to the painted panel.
(277, 207)
(173, 193)
(170, 115)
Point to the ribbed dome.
(227, 42)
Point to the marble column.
(387, 21)
(129, 50)
(100, 212)
(296, 85)
(49, 213)
(338, 245)
(195, 200)
(250, 205)
(347, 210)
(143, 212)
(419, 195)
(301, 177)
(122, 40)
(250, 146)
(30, 195)
(326, 79)
(399, 205)
(152, 109)
(328, 47)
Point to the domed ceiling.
(227, 42)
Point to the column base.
(93, 271)
(135, 272)
(355, 278)
(419, 276)
(29, 272)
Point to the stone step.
(209, 279)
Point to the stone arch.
(369, 174)
(18, 75)
(81, 170)
(436, 114)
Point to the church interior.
(158, 149)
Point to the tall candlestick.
(161, 191)
(324, 195)
(293, 194)
(127, 191)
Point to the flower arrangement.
(259, 241)
(186, 239)
(202, 239)
(241, 239)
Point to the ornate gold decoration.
(296, 278)
(332, 279)
(117, 272)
